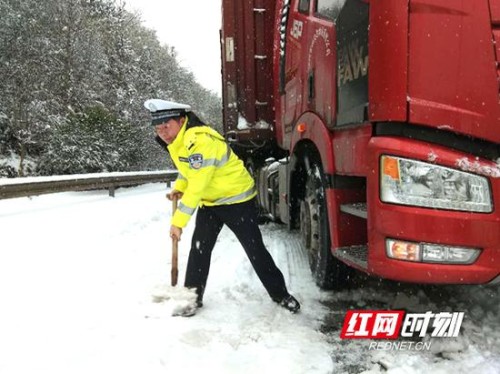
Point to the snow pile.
(243, 124)
(179, 299)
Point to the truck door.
(293, 83)
(308, 79)
(321, 59)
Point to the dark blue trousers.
(242, 220)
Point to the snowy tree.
(61, 59)
(89, 142)
(23, 65)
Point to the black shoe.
(290, 303)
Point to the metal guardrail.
(33, 186)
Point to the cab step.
(356, 209)
(356, 254)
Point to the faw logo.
(353, 62)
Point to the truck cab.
(373, 128)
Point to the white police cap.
(163, 110)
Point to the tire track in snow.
(286, 249)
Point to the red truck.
(373, 127)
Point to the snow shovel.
(180, 300)
(175, 251)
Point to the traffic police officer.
(213, 179)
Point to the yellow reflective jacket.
(209, 172)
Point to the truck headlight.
(410, 182)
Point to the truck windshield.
(329, 9)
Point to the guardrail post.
(111, 191)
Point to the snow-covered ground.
(77, 271)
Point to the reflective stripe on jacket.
(209, 172)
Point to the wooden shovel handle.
(175, 250)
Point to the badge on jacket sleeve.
(196, 160)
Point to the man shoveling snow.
(214, 180)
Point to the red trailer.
(374, 128)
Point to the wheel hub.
(310, 222)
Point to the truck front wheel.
(328, 272)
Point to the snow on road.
(77, 271)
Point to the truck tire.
(328, 272)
